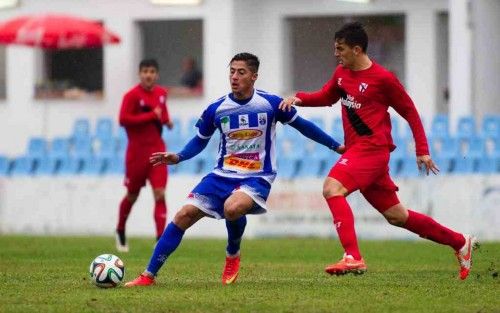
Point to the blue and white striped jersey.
(247, 134)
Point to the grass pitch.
(50, 274)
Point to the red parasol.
(55, 32)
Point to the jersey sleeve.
(402, 103)
(206, 123)
(326, 96)
(130, 118)
(165, 116)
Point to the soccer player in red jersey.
(143, 114)
(366, 90)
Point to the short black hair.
(251, 60)
(149, 63)
(353, 34)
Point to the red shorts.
(138, 170)
(367, 169)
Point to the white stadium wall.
(89, 206)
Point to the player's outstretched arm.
(287, 103)
(311, 131)
(168, 158)
(426, 162)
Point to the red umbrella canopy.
(55, 32)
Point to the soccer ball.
(107, 271)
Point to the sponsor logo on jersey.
(224, 123)
(362, 87)
(350, 103)
(244, 161)
(339, 81)
(142, 103)
(343, 161)
(262, 118)
(245, 134)
(162, 99)
(243, 120)
(239, 147)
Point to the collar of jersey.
(241, 102)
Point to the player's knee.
(184, 217)
(132, 197)
(232, 211)
(332, 188)
(395, 220)
(396, 216)
(159, 194)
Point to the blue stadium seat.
(398, 155)
(104, 128)
(82, 148)
(81, 128)
(440, 126)
(409, 168)
(443, 152)
(395, 130)
(92, 166)
(106, 148)
(174, 138)
(22, 166)
(471, 150)
(46, 167)
(59, 148)
(69, 166)
(466, 128)
(338, 129)
(489, 162)
(491, 126)
(4, 166)
(37, 148)
(116, 166)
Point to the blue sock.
(167, 244)
(235, 231)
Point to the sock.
(123, 213)
(167, 244)
(160, 216)
(343, 220)
(235, 231)
(427, 227)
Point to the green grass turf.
(50, 274)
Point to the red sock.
(344, 223)
(125, 207)
(160, 216)
(428, 228)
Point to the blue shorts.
(213, 190)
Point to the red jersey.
(140, 121)
(365, 97)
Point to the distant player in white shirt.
(245, 169)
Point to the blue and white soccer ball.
(107, 271)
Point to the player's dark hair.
(353, 34)
(149, 63)
(251, 60)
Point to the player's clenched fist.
(163, 158)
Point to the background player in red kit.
(143, 114)
(366, 91)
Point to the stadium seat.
(466, 128)
(59, 148)
(22, 166)
(92, 166)
(37, 148)
(174, 138)
(4, 166)
(104, 128)
(409, 168)
(338, 129)
(395, 130)
(440, 126)
(467, 158)
(398, 155)
(115, 166)
(105, 148)
(491, 126)
(69, 166)
(82, 148)
(81, 129)
(46, 166)
(443, 151)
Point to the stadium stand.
(467, 150)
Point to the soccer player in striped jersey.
(241, 181)
(366, 90)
